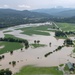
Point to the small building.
(70, 66)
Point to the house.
(70, 66)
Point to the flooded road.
(35, 56)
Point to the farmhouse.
(70, 66)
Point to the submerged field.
(40, 30)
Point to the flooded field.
(35, 56)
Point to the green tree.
(38, 41)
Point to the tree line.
(60, 33)
(15, 40)
(5, 72)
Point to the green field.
(37, 45)
(61, 65)
(66, 26)
(30, 70)
(39, 30)
(74, 50)
(9, 35)
(31, 32)
(42, 27)
(60, 37)
(9, 46)
(66, 68)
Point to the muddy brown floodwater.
(35, 56)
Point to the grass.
(66, 26)
(74, 50)
(9, 35)
(31, 32)
(10, 46)
(42, 27)
(30, 70)
(37, 45)
(36, 30)
(61, 65)
(66, 68)
(60, 37)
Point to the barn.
(70, 66)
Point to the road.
(62, 68)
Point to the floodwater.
(35, 56)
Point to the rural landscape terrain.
(37, 42)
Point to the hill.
(10, 17)
(66, 14)
(58, 12)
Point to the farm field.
(66, 26)
(9, 46)
(32, 70)
(40, 30)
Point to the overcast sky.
(36, 4)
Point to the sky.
(36, 4)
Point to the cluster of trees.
(59, 48)
(13, 63)
(5, 72)
(36, 41)
(70, 32)
(16, 40)
(2, 57)
(48, 54)
(63, 20)
(13, 40)
(59, 34)
(50, 44)
(18, 20)
(68, 42)
(7, 22)
(11, 52)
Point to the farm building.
(70, 66)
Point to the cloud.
(24, 6)
(4, 6)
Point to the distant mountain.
(24, 13)
(58, 12)
(10, 17)
(51, 11)
(66, 14)
(68, 20)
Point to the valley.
(34, 56)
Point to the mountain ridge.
(58, 12)
(10, 17)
